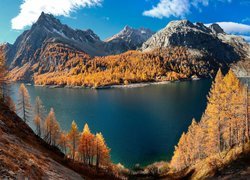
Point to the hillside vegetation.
(215, 147)
(131, 67)
(51, 154)
(222, 135)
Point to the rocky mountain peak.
(92, 35)
(180, 24)
(47, 20)
(49, 32)
(128, 39)
(202, 27)
(210, 41)
(127, 28)
(216, 29)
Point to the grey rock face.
(49, 30)
(128, 39)
(216, 29)
(197, 36)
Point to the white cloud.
(176, 8)
(234, 28)
(247, 38)
(30, 10)
(242, 30)
(167, 8)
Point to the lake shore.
(134, 109)
(117, 86)
(128, 86)
(134, 85)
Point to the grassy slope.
(23, 154)
(232, 164)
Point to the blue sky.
(107, 17)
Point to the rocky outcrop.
(49, 30)
(128, 39)
(212, 42)
(216, 29)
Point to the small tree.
(39, 113)
(102, 151)
(39, 109)
(73, 136)
(51, 129)
(86, 146)
(63, 142)
(4, 83)
(37, 122)
(24, 108)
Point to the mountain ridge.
(129, 38)
(48, 36)
(211, 41)
(50, 46)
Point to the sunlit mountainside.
(102, 89)
(77, 58)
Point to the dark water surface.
(140, 125)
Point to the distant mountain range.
(49, 45)
(49, 30)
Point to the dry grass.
(217, 166)
(23, 154)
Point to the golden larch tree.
(179, 159)
(86, 146)
(37, 122)
(214, 111)
(224, 125)
(4, 90)
(73, 137)
(102, 151)
(24, 108)
(39, 115)
(51, 129)
(63, 142)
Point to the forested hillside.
(133, 66)
(51, 53)
(50, 153)
(216, 146)
(222, 134)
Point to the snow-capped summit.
(128, 39)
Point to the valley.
(170, 104)
(63, 56)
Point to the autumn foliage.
(90, 149)
(24, 108)
(82, 146)
(224, 124)
(4, 84)
(130, 67)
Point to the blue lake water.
(140, 125)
